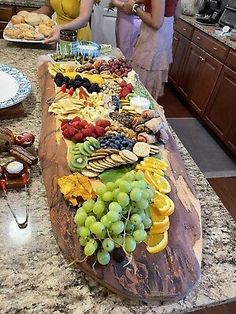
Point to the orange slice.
(156, 242)
(150, 168)
(164, 205)
(160, 224)
(148, 177)
(162, 184)
(155, 163)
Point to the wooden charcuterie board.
(168, 275)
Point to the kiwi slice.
(88, 148)
(83, 151)
(72, 168)
(79, 162)
(93, 141)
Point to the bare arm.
(153, 19)
(82, 20)
(45, 9)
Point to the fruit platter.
(122, 207)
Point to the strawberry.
(78, 137)
(64, 126)
(100, 131)
(83, 123)
(69, 132)
(94, 135)
(76, 124)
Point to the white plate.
(15, 87)
(15, 40)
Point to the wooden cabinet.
(231, 139)
(180, 48)
(204, 72)
(221, 111)
(199, 77)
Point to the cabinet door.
(200, 76)
(221, 111)
(231, 139)
(180, 48)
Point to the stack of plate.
(15, 86)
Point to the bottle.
(68, 40)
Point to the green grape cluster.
(118, 218)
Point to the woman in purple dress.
(152, 53)
(127, 30)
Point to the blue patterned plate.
(14, 86)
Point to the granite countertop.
(34, 275)
(210, 30)
(25, 3)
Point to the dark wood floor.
(225, 188)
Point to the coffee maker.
(210, 12)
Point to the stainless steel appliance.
(228, 17)
(210, 12)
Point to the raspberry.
(130, 87)
(103, 123)
(69, 132)
(99, 131)
(64, 126)
(76, 119)
(65, 121)
(123, 83)
(76, 124)
(90, 126)
(83, 123)
(87, 132)
(78, 137)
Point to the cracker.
(128, 156)
(141, 149)
(89, 173)
(117, 158)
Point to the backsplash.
(27, 3)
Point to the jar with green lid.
(68, 40)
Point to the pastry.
(14, 33)
(33, 19)
(44, 18)
(23, 13)
(23, 155)
(44, 29)
(17, 19)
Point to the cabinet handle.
(198, 38)
(201, 58)
(215, 48)
(175, 38)
(184, 29)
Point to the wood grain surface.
(168, 275)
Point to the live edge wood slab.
(168, 275)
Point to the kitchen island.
(35, 277)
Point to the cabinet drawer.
(6, 12)
(211, 45)
(231, 60)
(184, 28)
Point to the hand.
(127, 6)
(54, 36)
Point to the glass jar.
(233, 34)
(68, 39)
